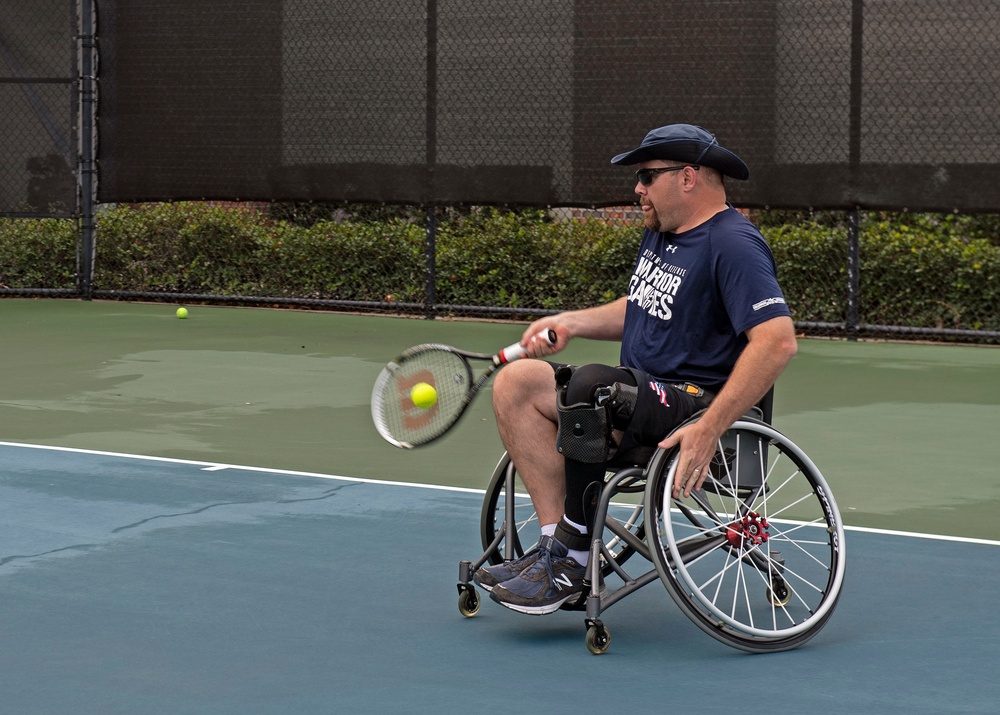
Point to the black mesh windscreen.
(832, 103)
(37, 114)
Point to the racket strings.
(396, 414)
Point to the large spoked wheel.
(756, 557)
(524, 530)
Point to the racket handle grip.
(516, 351)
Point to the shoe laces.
(544, 559)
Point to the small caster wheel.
(778, 594)
(468, 602)
(598, 639)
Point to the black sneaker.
(486, 577)
(543, 587)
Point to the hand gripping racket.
(449, 371)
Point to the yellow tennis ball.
(182, 312)
(423, 395)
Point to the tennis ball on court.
(182, 312)
(423, 395)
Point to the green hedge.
(917, 270)
(38, 253)
(484, 257)
(914, 271)
(524, 260)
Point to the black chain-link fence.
(358, 146)
(37, 108)
(833, 103)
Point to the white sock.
(581, 557)
(548, 529)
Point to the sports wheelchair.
(755, 558)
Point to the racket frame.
(382, 390)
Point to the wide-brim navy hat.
(687, 143)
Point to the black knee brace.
(584, 432)
(619, 400)
(585, 427)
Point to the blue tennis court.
(140, 585)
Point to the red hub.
(751, 529)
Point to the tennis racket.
(446, 369)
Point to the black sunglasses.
(646, 176)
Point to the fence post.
(853, 272)
(430, 224)
(854, 159)
(87, 161)
(430, 261)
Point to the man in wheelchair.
(703, 325)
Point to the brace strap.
(572, 539)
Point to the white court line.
(937, 537)
(218, 467)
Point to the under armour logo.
(670, 249)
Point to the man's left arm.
(771, 346)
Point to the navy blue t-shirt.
(693, 295)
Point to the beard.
(651, 219)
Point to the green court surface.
(903, 432)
